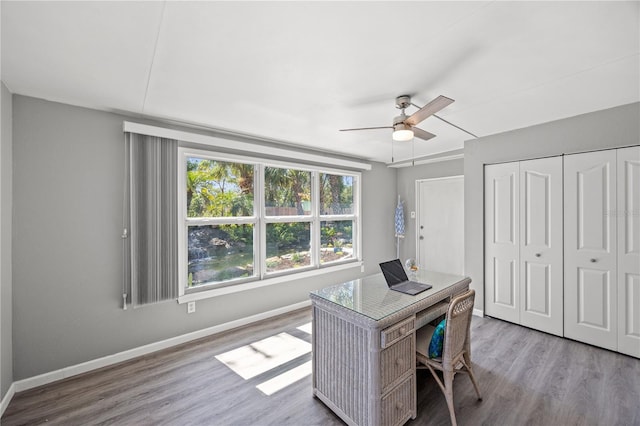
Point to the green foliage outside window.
(336, 194)
(336, 240)
(286, 191)
(287, 237)
(225, 251)
(219, 189)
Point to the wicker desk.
(364, 345)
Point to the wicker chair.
(456, 353)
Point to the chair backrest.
(457, 330)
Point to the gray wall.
(610, 128)
(406, 188)
(67, 258)
(6, 348)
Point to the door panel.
(631, 310)
(502, 292)
(593, 191)
(440, 244)
(593, 298)
(504, 278)
(628, 216)
(537, 193)
(541, 254)
(504, 223)
(537, 289)
(590, 248)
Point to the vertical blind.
(150, 215)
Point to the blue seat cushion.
(437, 339)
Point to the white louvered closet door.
(590, 284)
(628, 215)
(541, 254)
(502, 240)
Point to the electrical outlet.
(413, 215)
(191, 307)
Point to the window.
(246, 219)
(287, 192)
(220, 220)
(287, 195)
(337, 217)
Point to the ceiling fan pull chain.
(413, 152)
(392, 150)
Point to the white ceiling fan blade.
(422, 134)
(429, 109)
(367, 128)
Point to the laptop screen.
(393, 272)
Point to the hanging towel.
(399, 220)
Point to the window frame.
(260, 220)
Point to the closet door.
(628, 216)
(502, 292)
(590, 284)
(541, 254)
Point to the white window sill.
(262, 283)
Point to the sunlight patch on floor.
(261, 356)
(285, 379)
(306, 328)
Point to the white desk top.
(370, 296)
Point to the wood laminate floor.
(526, 378)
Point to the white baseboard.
(7, 398)
(478, 312)
(63, 373)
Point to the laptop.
(397, 278)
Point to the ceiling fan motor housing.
(399, 124)
(403, 101)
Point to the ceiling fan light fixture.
(402, 132)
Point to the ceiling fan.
(404, 126)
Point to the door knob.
(593, 260)
(421, 237)
(538, 254)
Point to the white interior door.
(441, 225)
(541, 263)
(502, 241)
(590, 295)
(628, 215)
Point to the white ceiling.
(298, 71)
